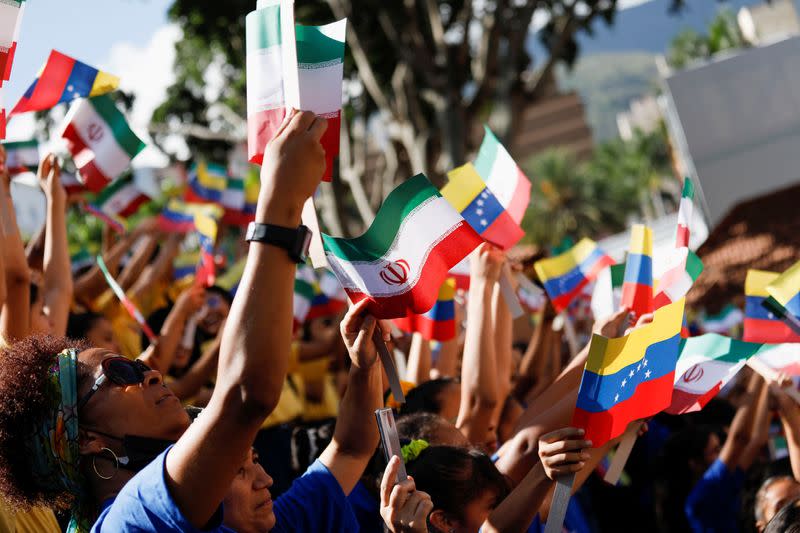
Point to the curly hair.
(24, 368)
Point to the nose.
(262, 479)
(153, 377)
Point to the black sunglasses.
(119, 371)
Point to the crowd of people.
(233, 421)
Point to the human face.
(148, 409)
(217, 310)
(776, 497)
(100, 335)
(248, 503)
(476, 512)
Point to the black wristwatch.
(294, 240)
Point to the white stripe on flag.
(121, 199)
(264, 88)
(685, 212)
(504, 177)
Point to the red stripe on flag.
(134, 206)
(9, 62)
(650, 398)
(233, 217)
(503, 232)
(260, 129)
(432, 330)
(769, 331)
(444, 256)
(683, 237)
(51, 84)
(687, 402)
(638, 298)
(330, 143)
(92, 177)
(2, 123)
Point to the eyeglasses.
(119, 371)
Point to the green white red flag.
(117, 202)
(22, 156)
(100, 141)
(404, 257)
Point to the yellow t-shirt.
(37, 520)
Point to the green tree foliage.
(572, 199)
(722, 34)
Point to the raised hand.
(612, 326)
(487, 262)
(49, 175)
(403, 507)
(563, 451)
(294, 162)
(357, 328)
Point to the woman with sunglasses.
(77, 421)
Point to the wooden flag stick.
(509, 295)
(622, 454)
(558, 507)
(771, 375)
(315, 250)
(388, 364)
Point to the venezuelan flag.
(637, 287)
(565, 275)
(438, 324)
(207, 182)
(785, 289)
(206, 223)
(176, 217)
(468, 194)
(63, 79)
(629, 378)
(185, 265)
(762, 324)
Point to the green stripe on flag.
(304, 289)
(263, 28)
(617, 275)
(313, 46)
(127, 140)
(694, 265)
(723, 349)
(111, 190)
(18, 145)
(397, 206)
(487, 153)
(688, 188)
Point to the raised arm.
(535, 354)
(789, 412)
(759, 432)
(419, 360)
(159, 356)
(356, 435)
(190, 383)
(137, 266)
(15, 317)
(478, 373)
(503, 334)
(57, 270)
(257, 339)
(739, 434)
(34, 252)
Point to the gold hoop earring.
(116, 464)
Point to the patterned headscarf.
(53, 445)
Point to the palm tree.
(722, 34)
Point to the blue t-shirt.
(713, 504)
(315, 502)
(367, 509)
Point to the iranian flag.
(265, 100)
(22, 156)
(705, 364)
(782, 357)
(100, 141)
(607, 292)
(117, 202)
(320, 69)
(403, 258)
(503, 177)
(304, 282)
(683, 270)
(11, 12)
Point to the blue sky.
(129, 38)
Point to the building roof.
(762, 233)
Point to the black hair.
(34, 292)
(454, 477)
(222, 293)
(426, 397)
(79, 324)
(787, 520)
(419, 425)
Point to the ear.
(441, 521)
(91, 443)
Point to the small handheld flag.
(762, 324)
(785, 290)
(207, 182)
(100, 141)
(565, 275)
(637, 287)
(502, 176)
(629, 378)
(117, 202)
(22, 156)
(205, 221)
(399, 263)
(437, 324)
(63, 79)
(471, 197)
